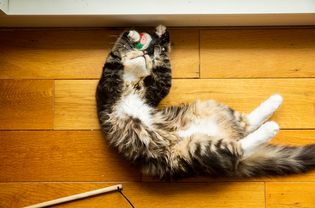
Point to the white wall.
(114, 7)
(4, 6)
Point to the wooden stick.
(76, 196)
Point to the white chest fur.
(203, 126)
(133, 106)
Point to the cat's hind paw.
(270, 129)
(261, 136)
(275, 101)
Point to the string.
(119, 190)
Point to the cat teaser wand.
(117, 187)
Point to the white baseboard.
(97, 13)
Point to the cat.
(202, 138)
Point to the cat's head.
(139, 51)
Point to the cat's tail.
(271, 160)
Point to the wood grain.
(294, 137)
(75, 106)
(75, 102)
(185, 53)
(26, 104)
(221, 195)
(60, 156)
(257, 53)
(79, 53)
(57, 54)
(290, 195)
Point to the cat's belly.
(207, 126)
(133, 106)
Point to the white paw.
(270, 129)
(275, 101)
(160, 30)
(261, 136)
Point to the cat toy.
(80, 196)
(141, 40)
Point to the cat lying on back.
(204, 137)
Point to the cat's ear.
(160, 30)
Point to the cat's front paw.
(160, 30)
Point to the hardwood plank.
(221, 195)
(285, 195)
(295, 137)
(60, 156)
(26, 104)
(54, 54)
(75, 102)
(79, 53)
(185, 53)
(75, 106)
(257, 53)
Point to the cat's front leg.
(160, 30)
(158, 84)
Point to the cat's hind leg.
(261, 136)
(263, 112)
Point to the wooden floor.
(51, 146)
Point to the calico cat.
(202, 138)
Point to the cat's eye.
(163, 49)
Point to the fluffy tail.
(271, 160)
